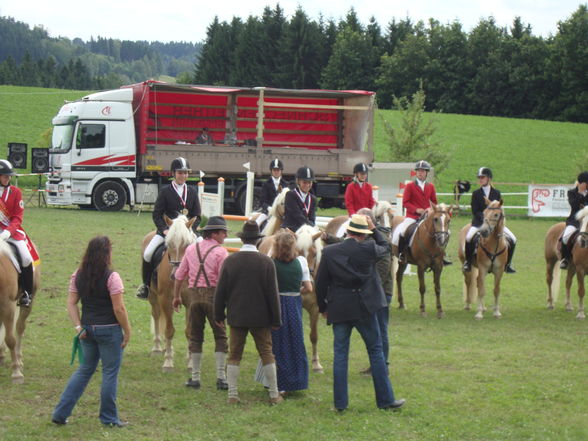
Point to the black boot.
(147, 273)
(446, 261)
(469, 255)
(401, 247)
(26, 282)
(565, 256)
(508, 268)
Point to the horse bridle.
(443, 234)
(434, 235)
(490, 228)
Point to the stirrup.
(143, 292)
(402, 258)
(25, 300)
(564, 264)
(447, 262)
(467, 266)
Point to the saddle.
(156, 260)
(15, 257)
(571, 241)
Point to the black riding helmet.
(180, 164)
(276, 163)
(6, 168)
(582, 177)
(360, 168)
(485, 171)
(422, 165)
(305, 173)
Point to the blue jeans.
(102, 343)
(369, 330)
(383, 317)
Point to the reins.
(490, 255)
(433, 235)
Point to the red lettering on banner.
(536, 202)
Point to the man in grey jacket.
(248, 289)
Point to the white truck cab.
(93, 157)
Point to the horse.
(382, 211)
(426, 251)
(491, 257)
(12, 318)
(309, 245)
(578, 263)
(161, 293)
(276, 214)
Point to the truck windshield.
(62, 138)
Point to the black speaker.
(39, 160)
(17, 154)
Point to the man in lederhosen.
(201, 265)
(173, 199)
(300, 203)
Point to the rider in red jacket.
(359, 193)
(11, 214)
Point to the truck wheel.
(109, 196)
(243, 197)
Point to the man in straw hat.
(248, 290)
(349, 293)
(201, 265)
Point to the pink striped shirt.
(212, 265)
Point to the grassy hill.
(518, 150)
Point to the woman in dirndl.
(288, 341)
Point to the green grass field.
(522, 377)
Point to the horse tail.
(556, 274)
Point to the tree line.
(490, 70)
(30, 57)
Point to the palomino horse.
(491, 257)
(578, 263)
(161, 294)
(427, 250)
(276, 214)
(309, 245)
(12, 319)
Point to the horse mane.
(582, 216)
(5, 249)
(275, 219)
(304, 240)
(279, 200)
(178, 234)
(381, 208)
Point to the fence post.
(221, 196)
(200, 192)
(376, 193)
(249, 194)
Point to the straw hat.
(358, 224)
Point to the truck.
(115, 147)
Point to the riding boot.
(26, 282)
(565, 256)
(508, 268)
(446, 261)
(147, 273)
(469, 255)
(401, 247)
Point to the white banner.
(548, 200)
(209, 205)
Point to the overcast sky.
(187, 20)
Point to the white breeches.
(401, 228)
(570, 229)
(473, 230)
(261, 219)
(23, 250)
(150, 249)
